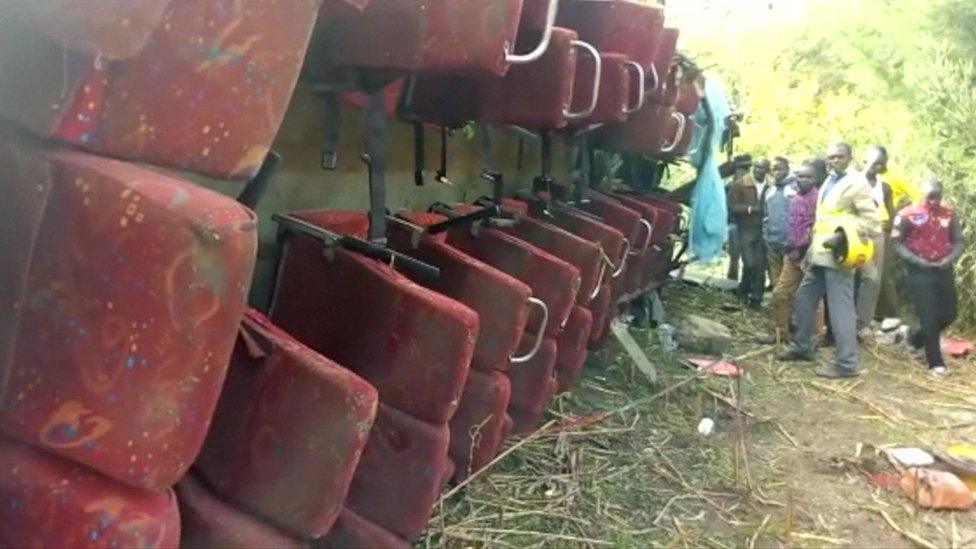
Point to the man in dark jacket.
(927, 236)
(746, 211)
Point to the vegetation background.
(896, 72)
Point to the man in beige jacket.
(847, 194)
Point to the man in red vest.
(927, 236)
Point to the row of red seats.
(128, 355)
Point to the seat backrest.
(500, 299)
(619, 26)
(414, 345)
(282, 398)
(442, 36)
(585, 255)
(552, 280)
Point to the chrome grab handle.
(535, 54)
(647, 243)
(538, 337)
(639, 71)
(678, 134)
(597, 71)
(623, 260)
(599, 281)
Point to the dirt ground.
(620, 462)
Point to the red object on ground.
(132, 285)
(889, 480)
(571, 355)
(354, 532)
(288, 431)
(414, 345)
(209, 522)
(481, 423)
(401, 474)
(934, 489)
(443, 36)
(52, 502)
(715, 366)
(956, 347)
(227, 69)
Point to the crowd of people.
(841, 246)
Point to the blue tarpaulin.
(709, 214)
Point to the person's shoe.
(938, 371)
(835, 372)
(792, 354)
(755, 304)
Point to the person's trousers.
(774, 263)
(753, 249)
(936, 303)
(870, 287)
(838, 286)
(888, 305)
(789, 280)
(735, 256)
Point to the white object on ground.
(706, 426)
(904, 457)
(890, 324)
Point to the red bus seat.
(288, 431)
(209, 522)
(227, 69)
(401, 474)
(52, 502)
(352, 531)
(413, 344)
(131, 295)
(571, 354)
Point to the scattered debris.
(715, 366)
(666, 333)
(905, 457)
(935, 489)
(701, 335)
(890, 324)
(887, 480)
(960, 458)
(956, 347)
(619, 330)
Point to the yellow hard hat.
(851, 250)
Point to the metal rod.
(375, 159)
(256, 187)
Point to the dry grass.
(620, 462)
